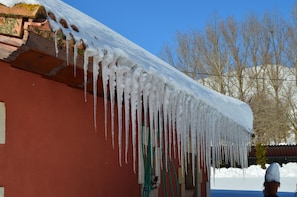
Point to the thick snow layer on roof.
(167, 96)
(98, 36)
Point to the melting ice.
(176, 119)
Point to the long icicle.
(96, 59)
(165, 112)
(88, 53)
(127, 96)
(146, 91)
(139, 128)
(120, 91)
(75, 58)
(108, 57)
(161, 116)
(151, 120)
(134, 104)
(112, 86)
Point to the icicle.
(185, 106)
(179, 126)
(169, 113)
(112, 85)
(120, 90)
(152, 111)
(180, 153)
(207, 140)
(175, 125)
(154, 107)
(127, 96)
(86, 62)
(171, 118)
(134, 104)
(68, 38)
(184, 132)
(88, 53)
(96, 59)
(139, 129)
(75, 55)
(193, 138)
(67, 52)
(146, 91)
(105, 78)
(56, 43)
(166, 122)
(155, 117)
(75, 58)
(160, 99)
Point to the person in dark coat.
(272, 180)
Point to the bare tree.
(261, 107)
(291, 49)
(214, 56)
(254, 35)
(231, 31)
(292, 113)
(245, 60)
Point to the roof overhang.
(28, 43)
(65, 45)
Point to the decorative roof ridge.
(24, 10)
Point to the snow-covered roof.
(186, 106)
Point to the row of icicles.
(177, 123)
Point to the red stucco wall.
(51, 147)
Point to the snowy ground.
(252, 178)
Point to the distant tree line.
(254, 60)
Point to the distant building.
(276, 153)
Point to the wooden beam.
(11, 41)
(6, 50)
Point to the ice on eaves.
(177, 109)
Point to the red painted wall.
(52, 149)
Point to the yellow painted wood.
(11, 26)
(23, 10)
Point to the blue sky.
(152, 23)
